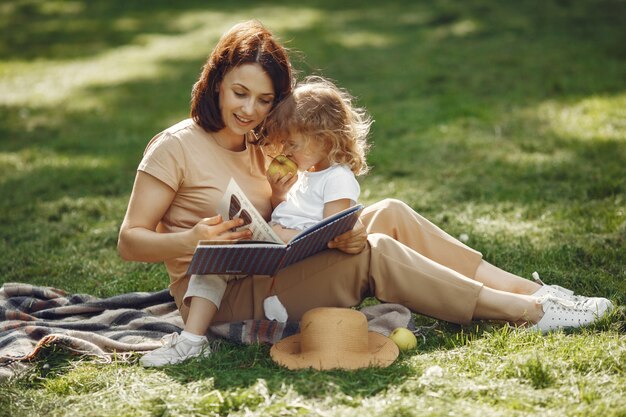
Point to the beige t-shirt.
(189, 161)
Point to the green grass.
(504, 121)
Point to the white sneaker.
(561, 314)
(560, 292)
(175, 349)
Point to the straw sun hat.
(334, 338)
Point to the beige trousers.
(408, 260)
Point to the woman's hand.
(213, 228)
(281, 184)
(352, 241)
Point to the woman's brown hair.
(244, 43)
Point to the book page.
(236, 204)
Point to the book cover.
(265, 253)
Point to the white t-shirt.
(305, 201)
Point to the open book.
(265, 253)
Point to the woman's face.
(246, 97)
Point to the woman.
(394, 254)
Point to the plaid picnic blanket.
(35, 317)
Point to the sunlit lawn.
(504, 122)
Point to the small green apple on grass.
(281, 166)
(404, 338)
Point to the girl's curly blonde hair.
(319, 110)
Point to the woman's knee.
(380, 242)
(393, 204)
(387, 215)
(390, 208)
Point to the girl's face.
(246, 97)
(310, 155)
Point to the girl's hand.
(281, 184)
(213, 228)
(352, 241)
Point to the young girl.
(325, 135)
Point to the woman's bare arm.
(138, 239)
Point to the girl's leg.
(201, 300)
(201, 314)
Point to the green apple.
(404, 338)
(281, 166)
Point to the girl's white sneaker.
(176, 348)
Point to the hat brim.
(382, 351)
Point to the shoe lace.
(581, 305)
(538, 280)
(169, 340)
(552, 299)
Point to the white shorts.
(210, 287)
